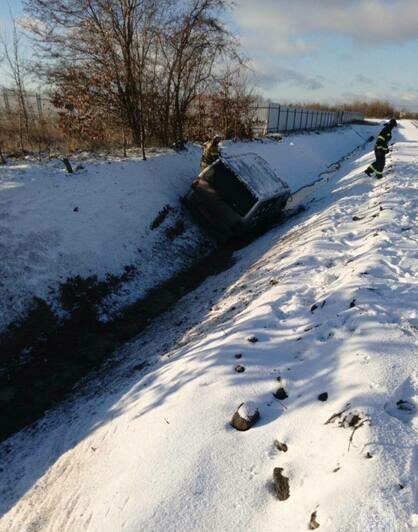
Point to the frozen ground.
(55, 226)
(331, 298)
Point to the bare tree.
(192, 41)
(18, 71)
(233, 102)
(147, 60)
(106, 39)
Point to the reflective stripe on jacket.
(382, 140)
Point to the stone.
(323, 396)
(280, 446)
(245, 416)
(280, 393)
(313, 523)
(281, 484)
(239, 368)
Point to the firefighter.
(211, 152)
(381, 149)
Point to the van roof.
(257, 175)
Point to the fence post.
(39, 104)
(6, 101)
(287, 118)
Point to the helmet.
(393, 123)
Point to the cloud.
(292, 26)
(361, 96)
(408, 101)
(270, 77)
(409, 97)
(364, 80)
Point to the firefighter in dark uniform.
(381, 149)
(211, 152)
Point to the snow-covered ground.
(331, 298)
(300, 158)
(55, 226)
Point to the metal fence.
(276, 118)
(271, 118)
(37, 105)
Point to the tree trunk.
(124, 141)
(2, 158)
(143, 141)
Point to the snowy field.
(329, 302)
(55, 226)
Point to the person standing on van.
(211, 152)
(381, 149)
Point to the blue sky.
(324, 50)
(332, 50)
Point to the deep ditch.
(43, 357)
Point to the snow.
(153, 450)
(298, 159)
(257, 175)
(247, 410)
(55, 226)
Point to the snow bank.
(54, 225)
(298, 159)
(332, 299)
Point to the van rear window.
(232, 191)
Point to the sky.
(323, 50)
(332, 50)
